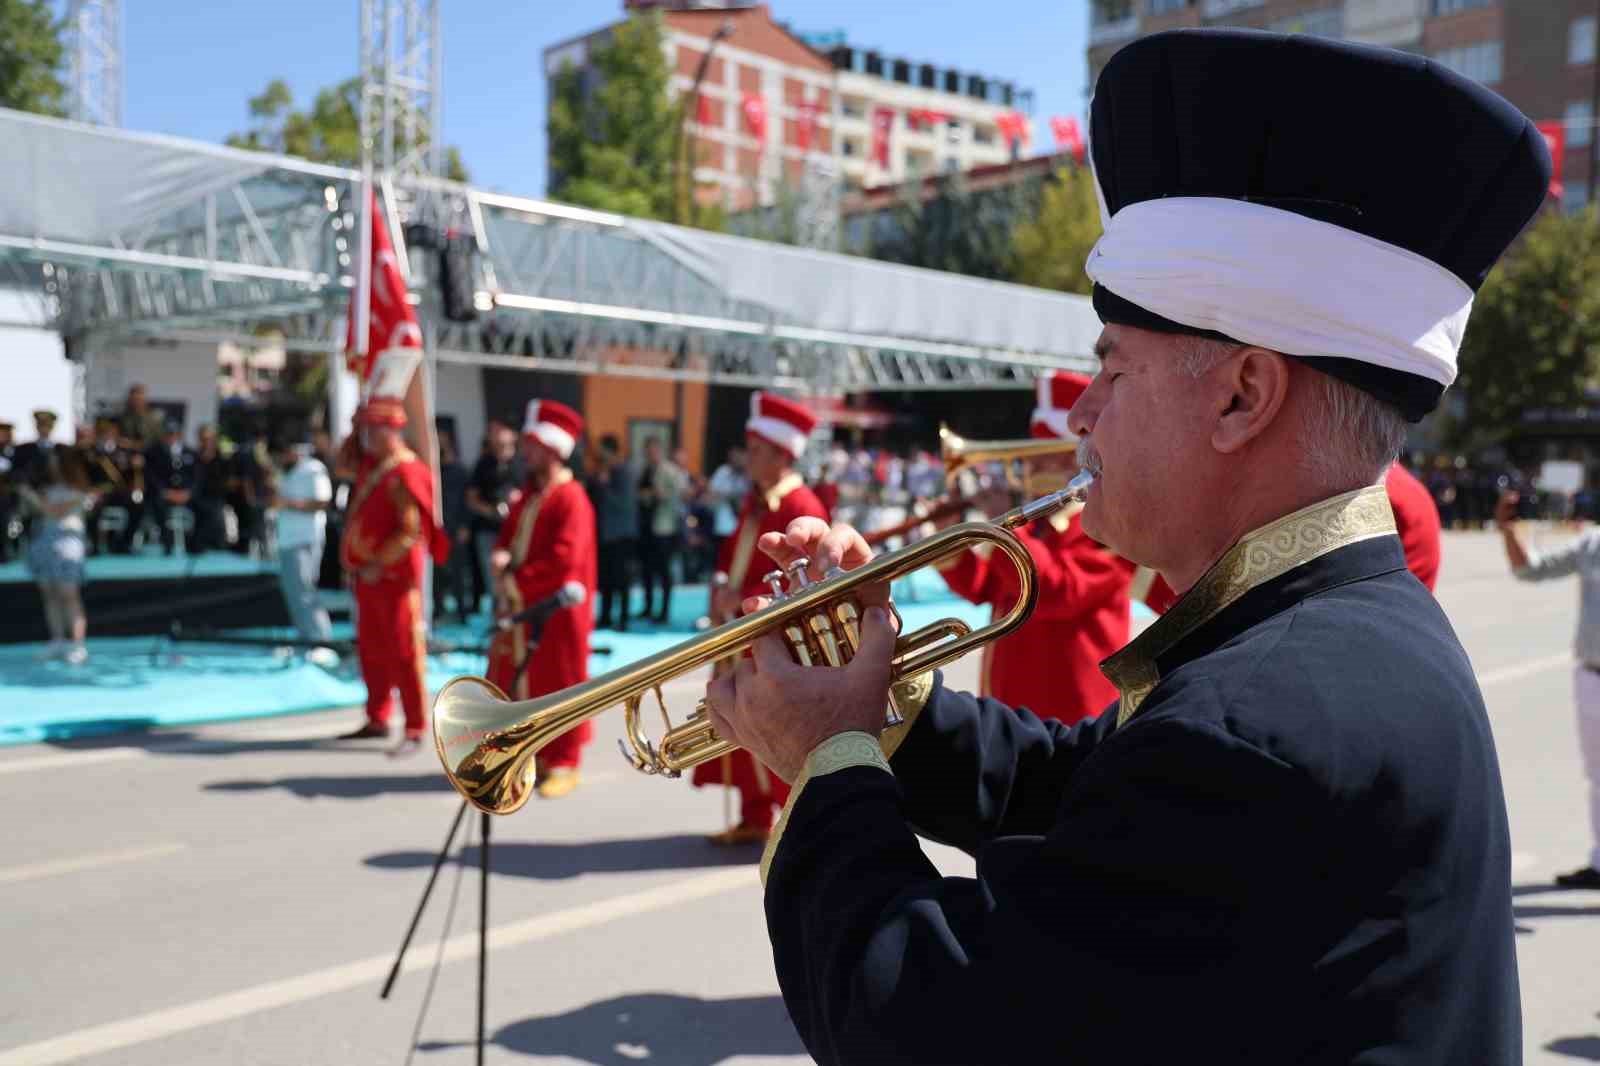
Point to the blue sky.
(190, 67)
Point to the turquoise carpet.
(135, 683)
(152, 565)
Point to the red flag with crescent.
(393, 321)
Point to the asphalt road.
(235, 894)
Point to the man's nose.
(1084, 413)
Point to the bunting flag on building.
(702, 111)
(926, 118)
(806, 123)
(1555, 139)
(755, 116)
(1068, 135)
(882, 126)
(1013, 127)
(393, 322)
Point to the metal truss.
(266, 248)
(94, 61)
(400, 73)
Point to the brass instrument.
(959, 453)
(488, 743)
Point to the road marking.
(77, 758)
(85, 862)
(164, 1023)
(1532, 666)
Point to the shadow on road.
(662, 1029)
(1578, 1047)
(342, 786)
(557, 862)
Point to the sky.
(190, 67)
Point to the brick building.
(1539, 54)
(771, 106)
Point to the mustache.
(1088, 456)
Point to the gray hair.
(1348, 437)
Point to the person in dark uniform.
(8, 493)
(171, 472)
(1287, 841)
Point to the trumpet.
(958, 453)
(488, 743)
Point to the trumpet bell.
(958, 453)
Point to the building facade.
(773, 112)
(1539, 54)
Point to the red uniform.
(1051, 664)
(551, 538)
(761, 792)
(1417, 519)
(388, 526)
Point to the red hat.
(1057, 394)
(784, 423)
(381, 411)
(555, 425)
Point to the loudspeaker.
(457, 278)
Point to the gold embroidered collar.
(1260, 556)
(774, 496)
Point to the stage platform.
(137, 683)
(132, 595)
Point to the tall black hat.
(1332, 201)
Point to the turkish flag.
(1068, 135)
(393, 322)
(1555, 139)
(882, 125)
(1013, 127)
(755, 116)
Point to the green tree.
(1534, 336)
(330, 132)
(956, 229)
(30, 58)
(1049, 250)
(614, 129)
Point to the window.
(1329, 22)
(853, 106)
(1102, 12)
(1574, 196)
(982, 134)
(1580, 41)
(849, 147)
(1164, 7)
(1579, 121)
(1450, 7)
(1480, 62)
(927, 77)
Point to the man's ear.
(1257, 382)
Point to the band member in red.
(1051, 664)
(776, 436)
(546, 543)
(1416, 517)
(389, 527)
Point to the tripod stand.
(483, 882)
(483, 915)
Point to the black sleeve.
(973, 768)
(1130, 931)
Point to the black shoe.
(367, 732)
(1585, 877)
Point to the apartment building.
(772, 108)
(1539, 54)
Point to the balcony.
(1217, 8)
(1106, 32)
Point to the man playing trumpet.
(1288, 840)
(1051, 665)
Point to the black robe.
(1295, 851)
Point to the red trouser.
(390, 642)
(550, 659)
(762, 793)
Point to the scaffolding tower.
(94, 61)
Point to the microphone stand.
(537, 628)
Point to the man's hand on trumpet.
(780, 711)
